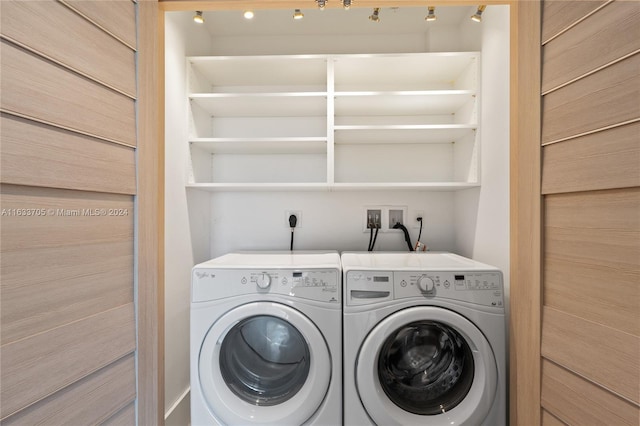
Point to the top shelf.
(329, 73)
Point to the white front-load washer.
(424, 340)
(266, 339)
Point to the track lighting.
(198, 17)
(248, 14)
(477, 17)
(432, 14)
(297, 14)
(375, 16)
(321, 4)
(346, 4)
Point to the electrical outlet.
(297, 213)
(372, 218)
(415, 223)
(396, 215)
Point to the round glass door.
(264, 360)
(426, 365)
(264, 363)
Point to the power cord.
(419, 245)
(398, 225)
(293, 221)
(373, 237)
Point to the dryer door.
(426, 365)
(264, 362)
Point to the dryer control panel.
(477, 287)
(321, 285)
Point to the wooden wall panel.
(38, 89)
(525, 217)
(549, 419)
(596, 228)
(559, 15)
(602, 38)
(37, 366)
(124, 417)
(68, 173)
(615, 154)
(117, 17)
(84, 263)
(38, 155)
(603, 99)
(580, 402)
(151, 406)
(578, 345)
(82, 47)
(94, 398)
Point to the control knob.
(425, 284)
(263, 281)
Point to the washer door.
(426, 365)
(264, 362)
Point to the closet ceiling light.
(198, 17)
(477, 17)
(321, 4)
(346, 4)
(432, 14)
(375, 16)
(297, 14)
(248, 14)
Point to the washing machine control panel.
(318, 284)
(478, 287)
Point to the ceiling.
(335, 20)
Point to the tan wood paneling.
(88, 401)
(606, 295)
(610, 34)
(525, 217)
(557, 16)
(571, 165)
(124, 417)
(579, 345)
(577, 401)
(39, 89)
(36, 367)
(38, 155)
(117, 17)
(549, 420)
(82, 46)
(605, 98)
(150, 223)
(597, 228)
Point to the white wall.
(186, 215)
(482, 214)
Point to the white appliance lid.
(399, 261)
(275, 260)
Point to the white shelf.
(303, 104)
(335, 122)
(392, 134)
(410, 186)
(431, 102)
(286, 145)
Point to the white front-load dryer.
(266, 339)
(424, 340)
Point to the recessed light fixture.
(198, 17)
(346, 4)
(375, 16)
(321, 4)
(477, 17)
(248, 14)
(432, 14)
(297, 14)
